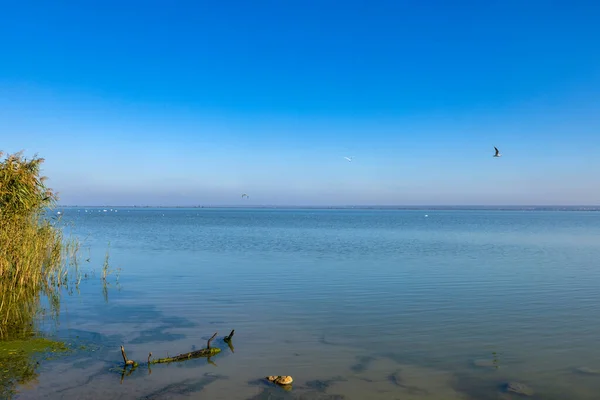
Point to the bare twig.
(125, 359)
(210, 340)
(228, 338)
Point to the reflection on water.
(352, 304)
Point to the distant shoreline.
(399, 208)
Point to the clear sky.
(196, 102)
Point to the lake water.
(354, 304)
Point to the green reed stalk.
(34, 255)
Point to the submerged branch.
(207, 352)
(187, 356)
(227, 339)
(210, 340)
(125, 359)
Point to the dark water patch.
(259, 382)
(321, 385)
(484, 363)
(500, 387)
(496, 389)
(332, 342)
(82, 363)
(476, 389)
(114, 313)
(152, 314)
(85, 336)
(362, 364)
(282, 394)
(185, 387)
(478, 363)
(157, 335)
(90, 378)
(411, 358)
(91, 344)
(396, 379)
(177, 322)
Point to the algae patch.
(19, 361)
(30, 347)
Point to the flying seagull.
(497, 152)
(349, 158)
(245, 195)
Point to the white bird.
(349, 158)
(497, 152)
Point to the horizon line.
(410, 207)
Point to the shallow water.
(354, 304)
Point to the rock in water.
(519, 388)
(280, 379)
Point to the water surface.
(354, 304)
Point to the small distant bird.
(497, 152)
(245, 195)
(349, 158)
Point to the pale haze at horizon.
(197, 103)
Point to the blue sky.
(195, 102)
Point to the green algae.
(19, 360)
(31, 346)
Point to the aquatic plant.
(37, 263)
(35, 257)
(18, 363)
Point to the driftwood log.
(206, 352)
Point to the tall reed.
(34, 254)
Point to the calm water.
(354, 304)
